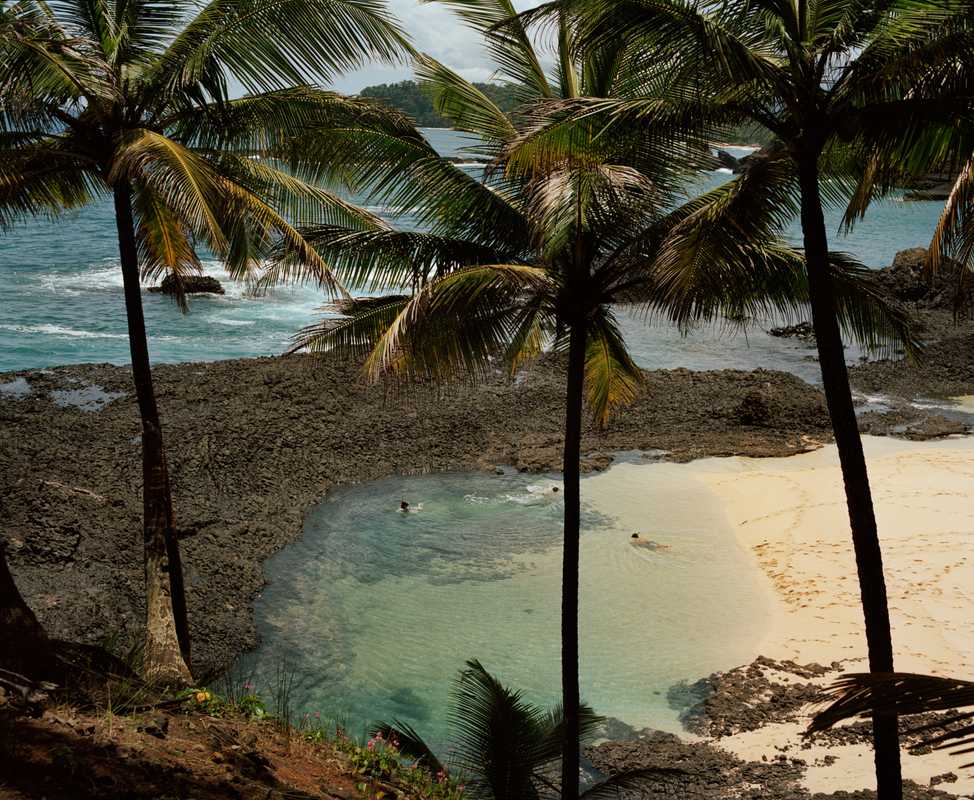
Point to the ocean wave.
(99, 278)
(60, 330)
(235, 323)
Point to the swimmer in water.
(554, 490)
(637, 542)
(403, 506)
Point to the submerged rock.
(192, 284)
(803, 331)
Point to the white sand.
(790, 512)
(964, 402)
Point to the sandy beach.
(790, 513)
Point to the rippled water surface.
(375, 611)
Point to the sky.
(435, 30)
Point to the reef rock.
(192, 284)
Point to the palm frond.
(864, 694)
(373, 260)
(164, 243)
(468, 108)
(410, 744)
(457, 325)
(611, 377)
(270, 44)
(496, 734)
(359, 332)
(508, 44)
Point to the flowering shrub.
(202, 699)
(388, 772)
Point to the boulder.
(906, 280)
(937, 193)
(726, 159)
(192, 284)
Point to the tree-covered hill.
(410, 98)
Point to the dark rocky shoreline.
(253, 443)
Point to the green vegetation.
(507, 748)
(130, 101)
(416, 101)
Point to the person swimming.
(403, 506)
(636, 541)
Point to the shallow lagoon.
(375, 611)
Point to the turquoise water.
(62, 299)
(375, 611)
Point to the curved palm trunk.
(25, 647)
(167, 634)
(862, 519)
(569, 574)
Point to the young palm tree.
(537, 254)
(506, 748)
(834, 82)
(130, 99)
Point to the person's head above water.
(403, 505)
(635, 536)
(554, 488)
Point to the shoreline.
(789, 515)
(254, 443)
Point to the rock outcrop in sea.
(192, 284)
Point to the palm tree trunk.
(569, 575)
(25, 649)
(167, 635)
(862, 519)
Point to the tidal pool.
(375, 611)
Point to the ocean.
(62, 298)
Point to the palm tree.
(130, 99)
(836, 83)
(27, 647)
(537, 254)
(505, 748)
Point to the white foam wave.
(235, 323)
(60, 330)
(724, 171)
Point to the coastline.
(790, 516)
(254, 443)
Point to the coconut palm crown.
(131, 99)
(539, 253)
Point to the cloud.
(435, 30)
